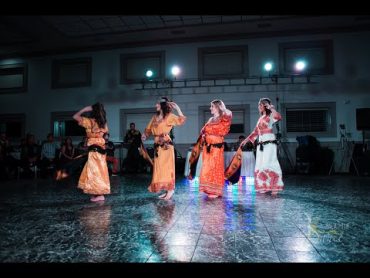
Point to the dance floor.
(315, 219)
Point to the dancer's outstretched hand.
(245, 141)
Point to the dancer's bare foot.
(274, 193)
(261, 191)
(97, 198)
(58, 175)
(162, 196)
(169, 194)
(212, 196)
(61, 175)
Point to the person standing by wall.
(132, 161)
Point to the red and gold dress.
(212, 179)
(267, 173)
(164, 153)
(94, 178)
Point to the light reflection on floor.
(315, 219)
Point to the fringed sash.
(232, 172)
(194, 157)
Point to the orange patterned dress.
(212, 179)
(164, 157)
(94, 178)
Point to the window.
(223, 62)
(13, 125)
(317, 54)
(63, 125)
(316, 119)
(13, 78)
(70, 73)
(307, 120)
(134, 66)
(240, 124)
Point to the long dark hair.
(163, 101)
(265, 101)
(65, 143)
(218, 103)
(98, 113)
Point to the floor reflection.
(163, 250)
(95, 222)
(315, 219)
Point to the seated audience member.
(67, 151)
(48, 152)
(71, 159)
(30, 155)
(82, 146)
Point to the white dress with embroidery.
(267, 173)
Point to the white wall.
(349, 86)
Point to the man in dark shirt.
(132, 135)
(133, 160)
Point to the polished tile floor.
(315, 219)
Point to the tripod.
(347, 153)
(282, 150)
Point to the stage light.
(175, 71)
(149, 73)
(300, 65)
(268, 67)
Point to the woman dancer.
(211, 179)
(164, 158)
(267, 174)
(94, 179)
